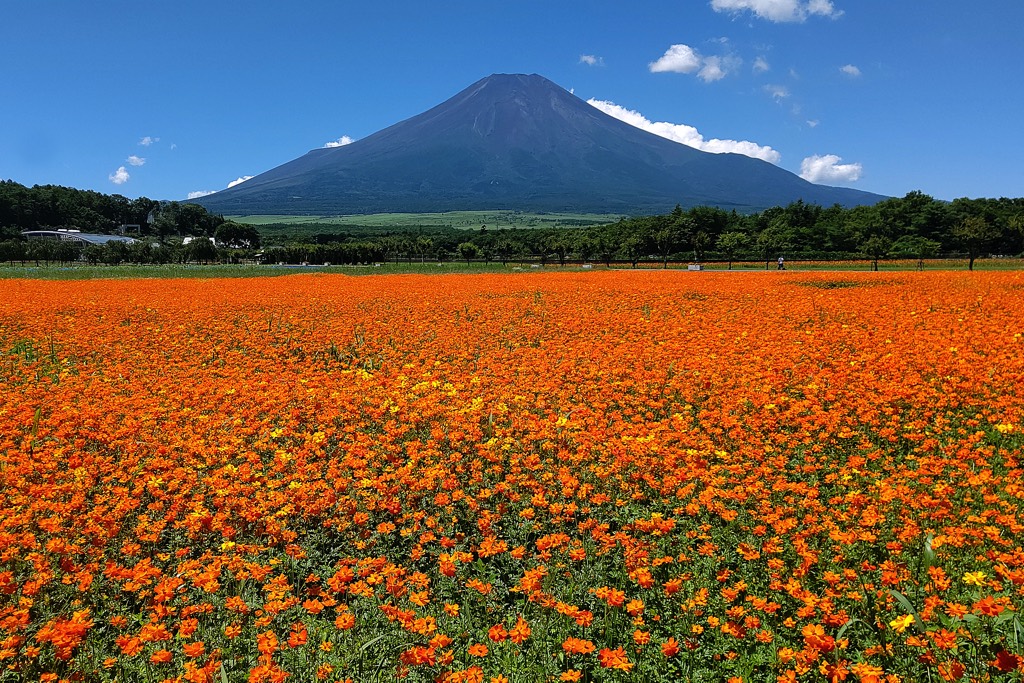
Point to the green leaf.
(369, 643)
(848, 624)
(910, 610)
(928, 552)
(1003, 618)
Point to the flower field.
(604, 476)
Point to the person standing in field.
(782, 263)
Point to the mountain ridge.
(519, 142)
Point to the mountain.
(521, 143)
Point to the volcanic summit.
(518, 142)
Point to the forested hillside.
(53, 206)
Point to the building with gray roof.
(77, 237)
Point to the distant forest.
(915, 226)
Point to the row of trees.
(913, 226)
(38, 252)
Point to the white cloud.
(340, 142)
(683, 59)
(591, 60)
(714, 69)
(826, 168)
(239, 180)
(687, 135)
(813, 123)
(780, 10)
(135, 161)
(148, 140)
(850, 70)
(778, 92)
(823, 8)
(761, 65)
(120, 176)
(200, 193)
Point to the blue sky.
(165, 99)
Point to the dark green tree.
(93, 254)
(423, 246)
(115, 253)
(40, 250)
(975, 234)
(915, 246)
(560, 245)
(876, 247)
(586, 247)
(65, 251)
(665, 242)
(505, 249)
(469, 251)
(12, 250)
(237, 235)
(140, 252)
(771, 242)
(700, 242)
(201, 249)
(633, 249)
(605, 249)
(731, 244)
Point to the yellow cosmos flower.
(974, 578)
(900, 624)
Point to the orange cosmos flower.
(194, 649)
(614, 659)
(519, 633)
(298, 635)
(574, 646)
(129, 646)
(1006, 662)
(267, 643)
(951, 671)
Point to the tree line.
(914, 226)
(167, 232)
(46, 207)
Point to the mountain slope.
(518, 142)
